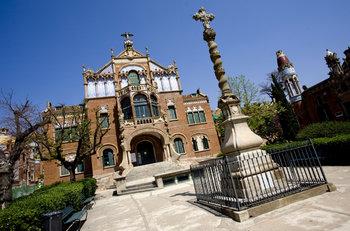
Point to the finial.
(204, 17)
(112, 52)
(84, 68)
(128, 43)
(279, 53)
(147, 51)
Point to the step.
(141, 186)
(128, 192)
(149, 170)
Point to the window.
(126, 108)
(190, 118)
(194, 144)
(172, 112)
(141, 106)
(205, 143)
(196, 117)
(108, 157)
(179, 145)
(64, 171)
(133, 78)
(202, 117)
(79, 169)
(104, 122)
(68, 134)
(154, 104)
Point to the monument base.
(255, 174)
(244, 215)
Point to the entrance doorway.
(144, 153)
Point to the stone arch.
(200, 143)
(148, 130)
(105, 146)
(129, 67)
(117, 157)
(180, 135)
(184, 141)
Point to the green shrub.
(90, 187)
(321, 141)
(325, 129)
(26, 212)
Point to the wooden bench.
(76, 217)
(70, 217)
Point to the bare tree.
(244, 89)
(70, 125)
(22, 120)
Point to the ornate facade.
(149, 119)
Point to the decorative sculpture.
(238, 136)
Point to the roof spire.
(128, 43)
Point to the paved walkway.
(168, 209)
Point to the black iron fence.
(257, 177)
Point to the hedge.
(26, 212)
(321, 141)
(324, 129)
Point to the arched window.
(205, 143)
(172, 112)
(103, 120)
(194, 144)
(190, 118)
(154, 104)
(141, 106)
(179, 145)
(133, 78)
(126, 108)
(196, 117)
(108, 157)
(202, 117)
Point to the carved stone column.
(240, 142)
(238, 136)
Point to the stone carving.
(104, 109)
(238, 136)
(204, 17)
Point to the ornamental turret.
(288, 77)
(333, 64)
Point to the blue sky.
(44, 43)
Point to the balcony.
(147, 120)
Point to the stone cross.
(204, 17)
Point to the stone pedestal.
(255, 174)
(238, 136)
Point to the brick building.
(149, 120)
(324, 101)
(27, 168)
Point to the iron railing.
(257, 177)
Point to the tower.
(288, 77)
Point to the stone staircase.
(140, 179)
